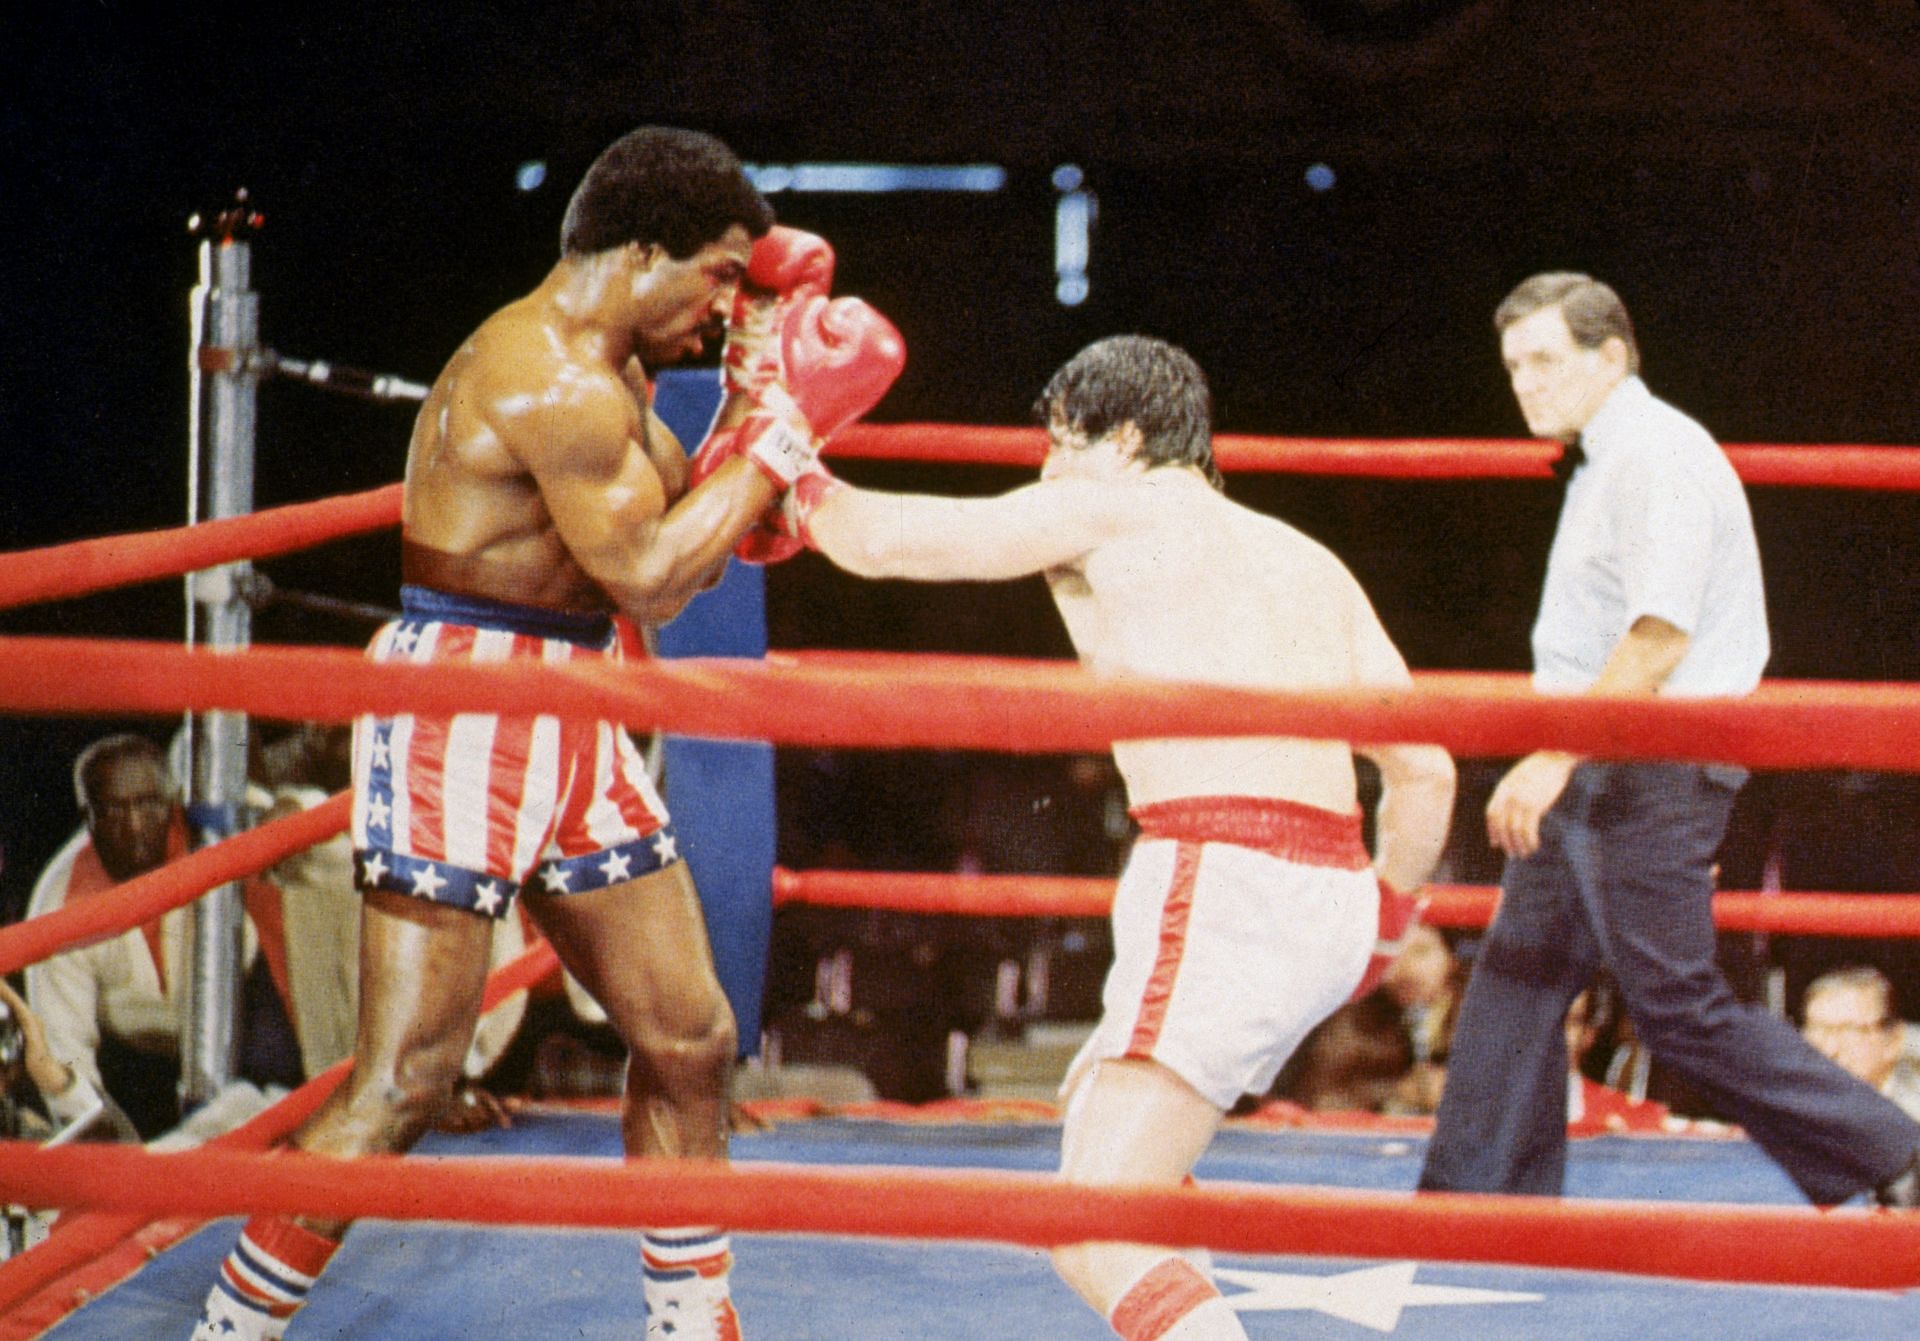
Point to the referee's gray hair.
(1593, 310)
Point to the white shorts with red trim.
(468, 809)
(1238, 925)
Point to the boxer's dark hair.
(679, 188)
(1137, 379)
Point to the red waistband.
(1289, 829)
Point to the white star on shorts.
(556, 880)
(428, 882)
(617, 867)
(1371, 1297)
(374, 870)
(486, 897)
(378, 813)
(664, 847)
(382, 750)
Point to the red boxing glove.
(834, 360)
(788, 260)
(838, 357)
(785, 530)
(784, 267)
(1399, 915)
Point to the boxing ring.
(868, 1225)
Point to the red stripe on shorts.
(1175, 914)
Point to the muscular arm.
(927, 538)
(1640, 663)
(609, 504)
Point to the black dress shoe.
(1902, 1191)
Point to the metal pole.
(225, 318)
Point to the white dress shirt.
(1655, 522)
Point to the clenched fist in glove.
(1399, 915)
(785, 267)
(830, 362)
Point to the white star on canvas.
(1370, 1297)
(617, 867)
(427, 882)
(378, 812)
(556, 880)
(375, 870)
(664, 847)
(486, 897)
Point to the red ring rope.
(1465, 906)
(79, 1238)
(1751, 1245)
(1021, 707)
(1775, 1245)
(1826, 466)
(27, 576)
(171, 886)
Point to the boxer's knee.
(689, 1053)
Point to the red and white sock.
(264, 1281)
(685, 1282)
(1174, 1302)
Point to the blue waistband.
(586, 628)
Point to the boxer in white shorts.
(1238, 925)
(1250, 908)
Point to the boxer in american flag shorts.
(465, 810)
(544, 498)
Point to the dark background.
(1744, 173)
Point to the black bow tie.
(1571, 458)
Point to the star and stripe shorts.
(469, 809)
(1238, 925)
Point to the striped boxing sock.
(1174, 1302)
(264, 1281)
(686, 1287)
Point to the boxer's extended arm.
(1415, 810)
(611, 507)
(928, 538)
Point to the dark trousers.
(1623, 879)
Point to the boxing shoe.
(1902, 1191)
(696, 1310)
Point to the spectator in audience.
(111, 1010)
(1387, 1052)
(1848, 1015)
(73, 1105)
